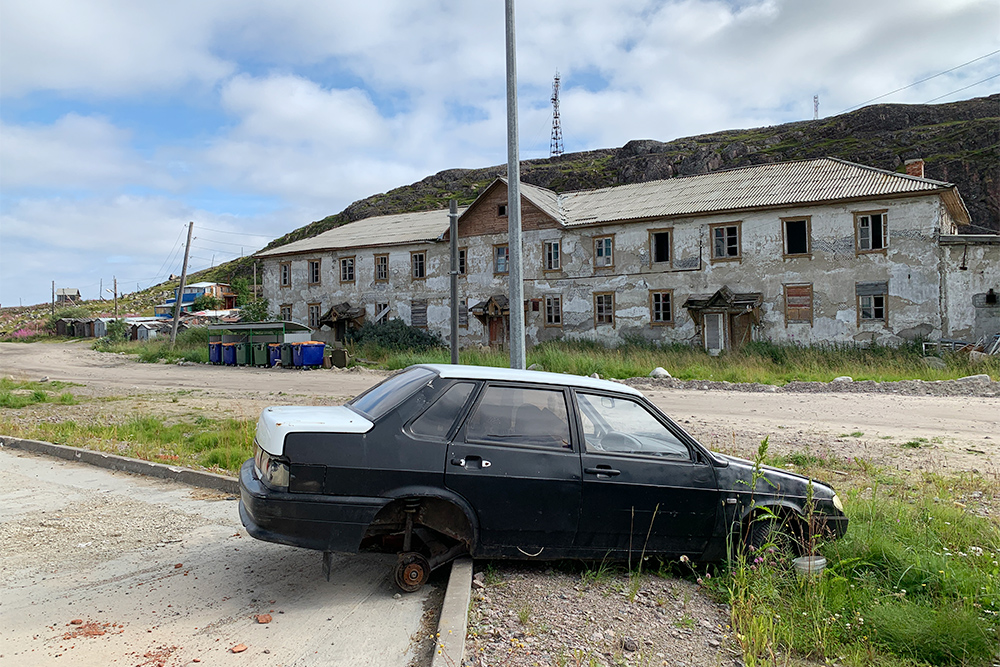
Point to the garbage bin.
(215, 352)
(312, 352)
(260, 354)
(242, 354)
(273, 353)
(229, 354)
(297, 355)
(286, 355)
(339, 357)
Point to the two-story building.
(813, 251)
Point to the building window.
(798, 304)
(381, 313)
(553, 311)
(796, 232)
(661, 307)
(418, 269)
(285, 274)
(314, 315)
(418, 313)
(463, 313)
(604, 308)
(462, 254)
(502, 210)
(872, 302)
(381, 268)
(314, 275)
(553, 259)
(500, 259)
(871, 233)
(285, 312)
(604, 251)
(659, 246)
(725, 242)
(347, 269)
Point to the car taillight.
(272, 471)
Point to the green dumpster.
(286, 355)
(242, 354)
(260, 354)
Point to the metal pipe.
(453, 237)
(516, 286)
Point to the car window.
(520, 415)
(438, 419)
(383, 397)
(622, 425)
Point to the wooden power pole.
(180, 290)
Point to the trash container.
(286, 355)
(273, 353)
(297, 355)
(312, 352)
(242, 354)
(229, 354)
(339, 357)
(215, 352)
(259, 354)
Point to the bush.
(394, 335)
(118, 331)
(206, 302)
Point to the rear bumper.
(310, 521)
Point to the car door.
(644, 487)
(515, 463)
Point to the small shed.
(67, 295)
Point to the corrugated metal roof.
(760, 186)
(378, 231)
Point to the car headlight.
(272, 471)
(836, 502)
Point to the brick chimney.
(915, 167)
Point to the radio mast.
(556, 145)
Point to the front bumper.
(310, 521)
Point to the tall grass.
(762, 362)
(191, 345)
(20, 394)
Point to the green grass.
(20, 394)
(191, 345)
(764, 363)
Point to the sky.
(121, 121)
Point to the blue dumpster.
(215, 353)
(297, 354)
(273, 353)
(312, 352)
(229, 354)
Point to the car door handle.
(471, 462)
(602, 470)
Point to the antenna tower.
(556, 145)
(815, 107)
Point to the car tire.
(767, 533)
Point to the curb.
(207, 480)
(450, 642)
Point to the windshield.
(382, 398)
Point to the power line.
(923, 80)
(961, 89)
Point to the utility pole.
(516, 286)
(101, 289)
(453, 237)
(115, 278)
(180, 290)
(53, 298)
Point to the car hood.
(278, 421)
(737, 475)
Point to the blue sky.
(121, 121)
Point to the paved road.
(162, 574)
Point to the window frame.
(388, 310)
(496, 264)
(607, 240)
(501, 210)
(807, 219)
(414, 304)
(812, 304)
(884, 320)
(281, 312)
(557, 299)
(414, 254)
(349, 264)
(285, 274)
(858, 216)
(381, 256)
(669, 322)
(567, 448)
(609, 315)
(463, 313)
(669, 231)
(738, 225)
(318, 306)
(463, 261)
(314, 269)
(547, 255)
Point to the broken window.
(659, 246)
(381, 313)
(314, 311)
(798, 304)
(502, 210)
(872, 301)
(604, 251)
(285, 274)
(417, 265)
(314, 274)
(604, 308)
(660, 308)
(462, 253)
(871, 232)
(500, 259)
(381, 268)
(347, 269)
(796, 236)
(553, 260)
(553, 311)
(725, 241)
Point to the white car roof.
(452, 371)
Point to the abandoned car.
(439, 461)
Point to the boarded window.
(381, 313)
(798, 303)
(418, 313)
(796, 236)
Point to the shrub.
(394, 335)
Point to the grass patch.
(20, 394)
(191, 345)
(916, 443)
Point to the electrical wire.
(971, 85)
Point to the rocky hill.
(959, 142)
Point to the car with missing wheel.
(439, 461)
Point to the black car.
(439, 461)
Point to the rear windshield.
(382, 398)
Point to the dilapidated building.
(813, 251)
